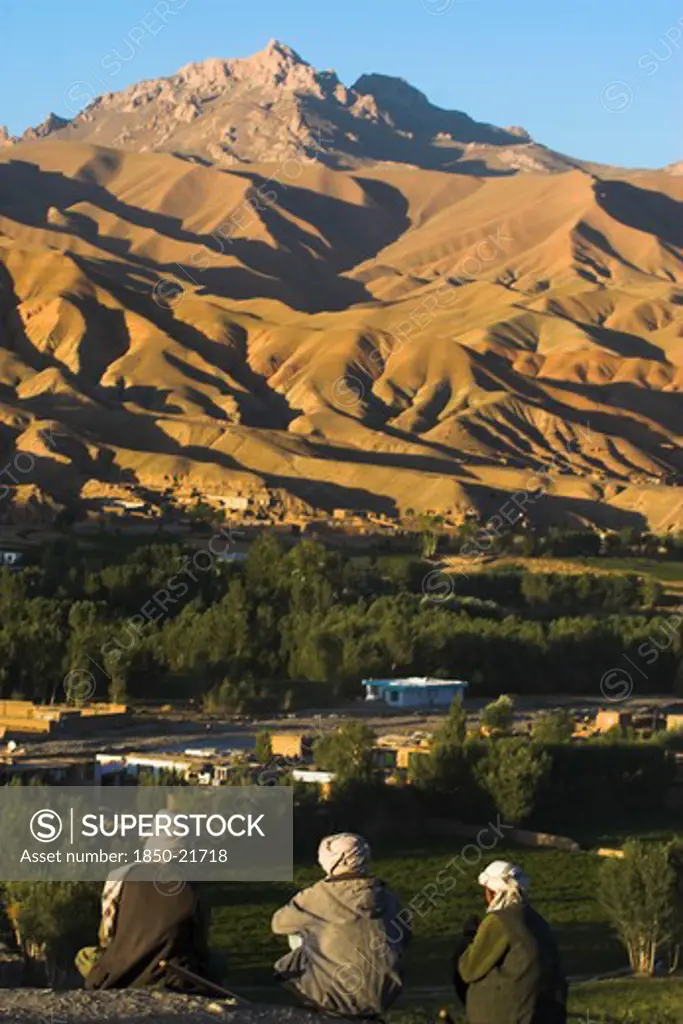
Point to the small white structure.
(10, 557)
(313, 775)
(414, 692)
(109, 766)
(236, 503)
(232, 557)
(158, 765)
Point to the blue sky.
(600, 80)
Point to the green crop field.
(666, 571)
(644, 1000)
(628, 1001)
(564, 890)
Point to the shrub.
(498, 716)
(553, 727)
(638, 896)
(52, 920)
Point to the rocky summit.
(275, 106)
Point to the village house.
(404, 748)
(294, 746)
(23, 718)
(47, 771)
(606, 720)
(414, 692)
(674, 721)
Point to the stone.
(134, 1006)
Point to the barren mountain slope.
(381, 337)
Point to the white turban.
(507, 881)
(344, 854)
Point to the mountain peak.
(390, 89)
(52, 123)
(274, 104)
(408, 109)
(279, 50)
(277, 64)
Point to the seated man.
(346, 933)
(144, 927)
(508, 967)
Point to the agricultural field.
(668, 572)
(664, 568)
(642, 1000)
(631, 1001)
(563, 888)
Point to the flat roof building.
(414, 692)
(296, 746)
(612, 719)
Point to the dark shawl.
(152, 926)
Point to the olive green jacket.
(513, 972)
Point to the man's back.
(526, 984)
(347, 962)
(151, 926)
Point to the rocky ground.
(43, 1006)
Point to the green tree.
(676, 862)
(313, 576)
(395, 633)
(651, 592)
(232, 697)
(264, 569)
(445, 767)
(512, 772)
(348, 751)
(553, 727)
(498, 716)
(263, 747)
(202, 512)
(453, 732)
(429, 542)
(428, 533)
(51, 919)
(321, 656)
(638, 894)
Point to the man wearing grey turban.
(346, 935)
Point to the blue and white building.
(414, 692)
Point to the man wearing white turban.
(346, 952)
(509, 969)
